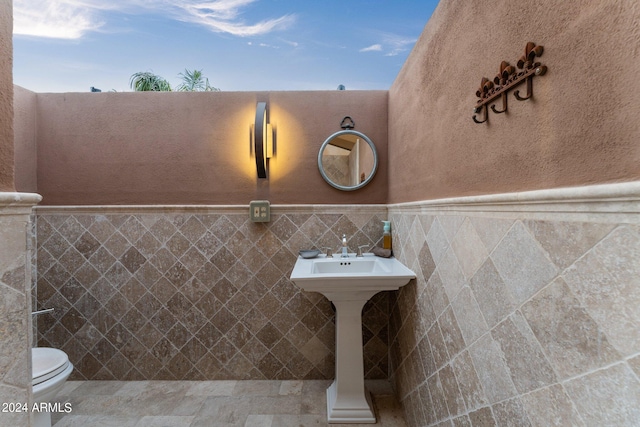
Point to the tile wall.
(517, 318)
(15, 306)
(520, 315)
(196, 293)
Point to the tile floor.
(210, 404)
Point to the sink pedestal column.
(349, 284)
(347, 399)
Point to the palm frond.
(194, 81)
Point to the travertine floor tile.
(87, 388)
(97, 421)
(256, 388)
(210, 404)
(259, 421)
(165, 421)
(290, 388)
(211, 388)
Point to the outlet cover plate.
(260, 211)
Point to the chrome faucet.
(345, 249)
(360, 248)
(329, 252)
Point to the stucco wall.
(193, 148)
(581, 128)
(6, 96)
(25, 137)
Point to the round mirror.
(348, 160)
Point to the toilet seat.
(47, 363)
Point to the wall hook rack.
(508, 78)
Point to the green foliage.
(194, 81)
(145, 81)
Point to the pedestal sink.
(349, 283)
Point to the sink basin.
(329, 266)
(367, 275)
(349, 283)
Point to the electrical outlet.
(260, 211)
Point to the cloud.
(397, 43)
(61, 19)
(72, 19)
(372, 48)
(391, 44)
(263, 45)
(218, 24)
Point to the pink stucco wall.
(6, 96)
(193, 148)
(26, 142)
(581, 128)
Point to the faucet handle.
(360, 249)
(329, 251)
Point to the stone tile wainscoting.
(526, 310)
(196, 293)
(15, 305)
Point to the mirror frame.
(375, 160)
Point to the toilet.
(51, 368)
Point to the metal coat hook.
(538, 72)
(504, 104)
(508, 78)
(529, 91)
(486, 114)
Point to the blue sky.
(240, 45)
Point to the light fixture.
(262, 139)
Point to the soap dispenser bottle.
(386, 235)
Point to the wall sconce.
(262, 139)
